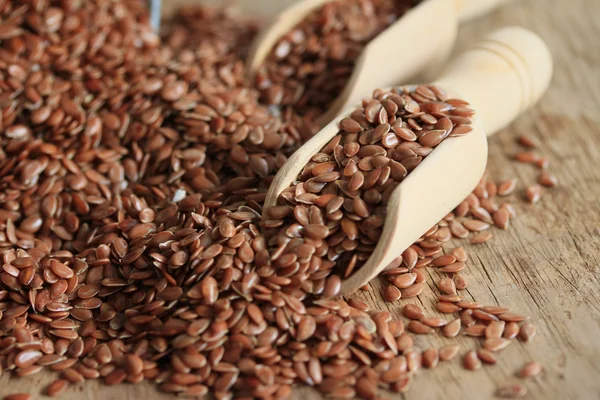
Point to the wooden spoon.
(427, 33)
(501, 77)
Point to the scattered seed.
(531, 369)
(449, 352)
(487, 356)
(495, 344)
(548, 180)
(533, 193)
(511, 391)
(413, 311)
(471, 361)
(527, 332)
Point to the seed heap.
(309, 67)
(334, 213)
(132, 243)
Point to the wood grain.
(548, 264)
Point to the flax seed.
(531, 369)
(449, 352)
(511, 391)
(471, 361)
(57, 387)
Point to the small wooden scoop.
(417, 44)
(501, 77)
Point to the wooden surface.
(547, 265)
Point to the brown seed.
(512, 317)
(495, 329)
(452, 328)
(27, 358)
(543, 162)
(449, 352)
(413, 311)
(433, 322)
(115, 377)
(306, 328)
(471, 361)
(526, 157)
(392, 293)
(404, 281)
(446, 285)
(57, 387)
(430, 358)
(527, 141)
(533, 193)
(133, 364)
(476, 225)
(527, 332)
(501, 218)
(460, 282)
(18, 396)
(532, 368)
(453, 268)
(72, 375)
(444, 260)
(418, 327)
(487, 356)
(474, 330)
(511, 330)
(481, 237)
(511, 392)
(495, 344)
(548, 180)
(412, 291)
(495, 310)
(506, 187)
(447, 308)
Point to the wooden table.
(547, 265)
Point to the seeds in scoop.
(120, 205)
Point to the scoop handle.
(502, 76)
(470, 9)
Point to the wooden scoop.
(501, 77)
(417, 44)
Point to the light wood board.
(547, 265)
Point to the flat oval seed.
(57, 387)
(449, 352)
(413, 311)
(471, 361)
(532, 368)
